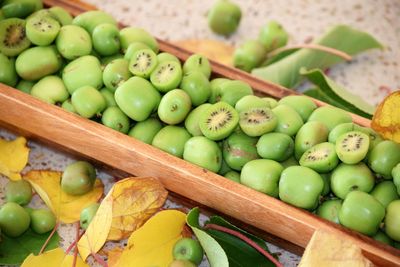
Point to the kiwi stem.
(245, 239)
(99, 260)
(48, 238)
(326, 49)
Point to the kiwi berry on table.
(310, 157)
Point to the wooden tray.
(35, 119)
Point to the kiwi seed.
(13, 38)
(352, 147)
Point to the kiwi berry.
(336, 116)
(321, 158)
(166, 76)
(289, 121)
(61, 15)
(143, 62)
(13, 38)
(42, 30)
(352, 147)
(218, 121)
(17, 9)
(192, 120)
(257, 121)
(342, 129)
(310, 134)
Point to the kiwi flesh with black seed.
(166, 76)
(13, 38)
(218, 121)
(352, 147)
(143, 62)
(42, 30)
(256, 121)
(321, 158)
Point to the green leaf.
(337, 95)
(341, 37)
(15, 250)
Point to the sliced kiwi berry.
(218, 121)
(42, 30)
(352, 147)
(17, 9)
(257, 121)
(13, 38)
(166, 76)
(321, 157)
(143, 62)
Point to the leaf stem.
(78, 227)
(49, 237)
(74, 243)
(326, 49)
(99, 260)
(245, 239)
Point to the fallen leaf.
(152, 244)
(55, 257)
(13, 157)
(214, 50)
(386, 119)
(67, 208)
(114, 255)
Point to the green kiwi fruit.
(164, 56)
(310, 134)
(108, 97)
(215, 85)
(257, 121)
(275, 146)
(8, 75)
(289, 121)
(61, 15)
(384, 157)
(129, 35)
(251, 101)
(330, 116)
(133, 47)
(374, 137)
(90, 19)
(321, 158)
(67, 105)
(42, 30)
(13, 38)
(25, 86)
(271, 102)
(17, 9)
(352, 147)
(341, 129)
(218, 121)
(166, 76)
(233, 176)
(302, 104)
(197, 62)
(146, 130)
(116, 73)
(192, 120)
(114, 118)
(232, 91)
(143, 62)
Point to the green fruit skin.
(329, 210)
(238, 149)
(204, 153)
(78, 178)
(150, 66)
(17, 9)
(385, 192)
(289, 121)
(233, 91)
(83, 71)
(392, 220)
(146, 130)
(224, 17)
(50, 89)
(341, 129)
(106, 39)
(174, 106)
(396, 177)
(19, 192)
(384, 157)
(327, 183)
(37, 62)
(233, 176)
(164, 57)
(175, 78)
(346, 178)
(182, 263)
(14, 219)
(275, 146)
(271, 101)
(171, 139)
(302, 104)
(88, 101)
(67, 105)
(42, 38)
(249, 55)
(133, 47)
(90, 19)
(192, 119)
(87, 215)
(42, 221)
(323, 165)
(374, 137)
(383, 238)
(114, 118)
(73, 42)
(361, 212)
(108, 97)
(25, 86)
(224, 167)
(61, 15)
(129, 35)
(336, 116)
(292, 161)
(273, 35)
(251, 101)
(188, 249)
(8, 75)
(199, 63)
(310, 134)
(137, 98)
(116, 73)
(197, 86)
(215, 85)
(106, 60)
(301, 187)
(262, 175)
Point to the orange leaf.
(13, 157)
(66, 208)
(386, 119)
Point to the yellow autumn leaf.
(55, 257)
(152, 244)
(386, 119)
(214, 50)
(126, 207)
(13, 157)
(67, 208)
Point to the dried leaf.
(152, 244)
(67, 208)
(55, 257)
(211, 49)
(13, 157)
(114, 255)
(386, 120)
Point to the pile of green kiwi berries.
(312, 158)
